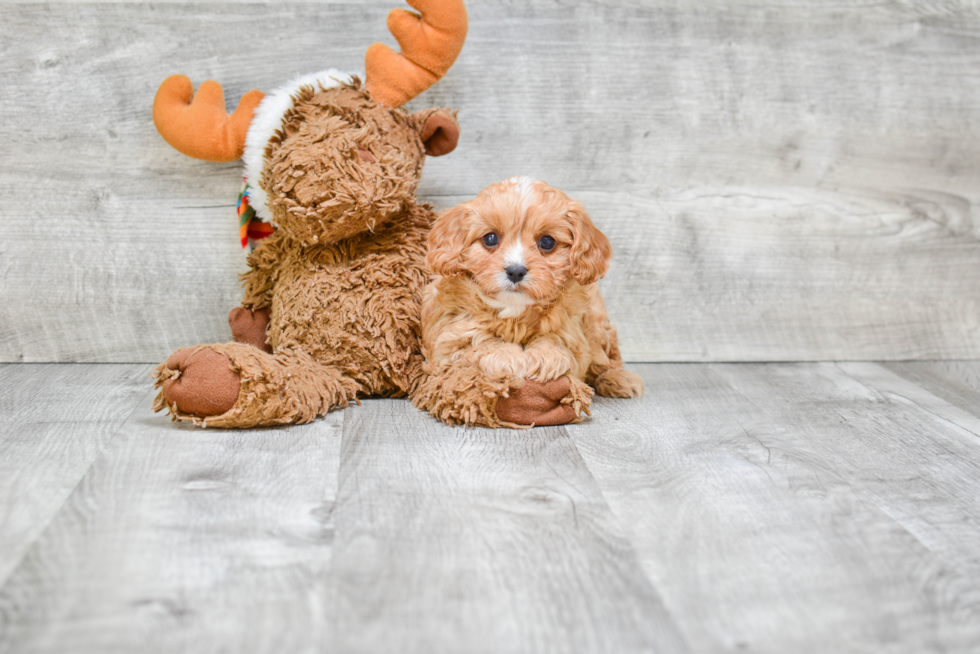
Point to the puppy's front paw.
(619, 382)
(504, 361)
(545, 362)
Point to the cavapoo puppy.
(514, 331)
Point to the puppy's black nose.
(515, 273)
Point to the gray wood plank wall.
(780, 180)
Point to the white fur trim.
(267, 119)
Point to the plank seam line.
(860, 490)
(681, 634)
(55, 514)
(958, 428)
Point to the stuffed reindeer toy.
(331, 306)
(333, 296)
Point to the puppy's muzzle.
(515, 273)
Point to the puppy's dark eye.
(546, 243)
(490, 239)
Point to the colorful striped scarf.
(250, 228)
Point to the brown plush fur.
(484, 335)
(343, 275)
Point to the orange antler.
(202, 128)
(430, 44)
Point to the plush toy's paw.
(538, 403)
(619, 382)
(250, 327)
(199, 382)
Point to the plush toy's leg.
(250, 327)
(464, 392)
(198, 385)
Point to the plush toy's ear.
(590, 253)
(439, 131)
(447, 240)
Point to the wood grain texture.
(475, 540)
(55, 420)
(957, 382)
(185, 540)
(734, 508)
(439, 540)
(907, 452)
(797, 508)
(790, 180)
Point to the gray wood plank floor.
(806, 507)
(54, 422)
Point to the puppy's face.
(521, 241)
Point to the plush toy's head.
(326, 159)
(341, 163)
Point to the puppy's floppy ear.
(447, 240)
(439, 130)
(589, 257)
